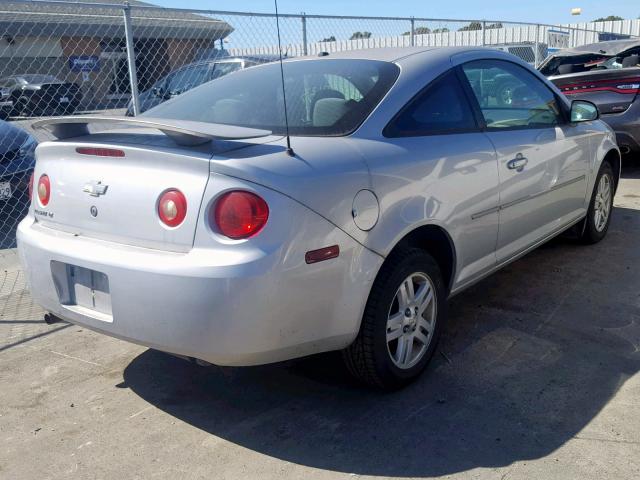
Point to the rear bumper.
(202, 304)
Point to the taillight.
(31, 187)
(100, 152)
(44, 190)
(631, 87)
(172, 207)
(240, 214)
(625, 85)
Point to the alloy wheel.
(602, 205)
(411, 320)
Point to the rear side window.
(441, 108)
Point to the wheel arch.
(436, 241)
(615, 160)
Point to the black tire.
(369, 357)
(592, 230)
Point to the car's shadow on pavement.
(531, 355)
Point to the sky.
(542, 11)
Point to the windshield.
(324, 97)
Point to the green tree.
(357, 35)
(419, 31)
(441, 30)
(471, 26)
(332, 38)
(494, 25)
(608, 19)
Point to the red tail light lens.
(627, 85)
(172, 207)
(31, 187)
(44, 190)
(240, 214)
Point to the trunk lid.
(613, 91)
(126, 209)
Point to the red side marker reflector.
(326, 253)
(100, 152)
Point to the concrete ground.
(536, 377)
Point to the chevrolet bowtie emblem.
(95, 188)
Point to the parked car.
(607, 74)
(6, 103)
(190, 76)
(402, 184)
(16, 167)
(34, 95)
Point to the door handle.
(517, 163)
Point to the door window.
(511, 97)
(441, 108)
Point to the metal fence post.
(413, 32)
(484, 29)
(536, 53)
(304, 34)
(131, 58)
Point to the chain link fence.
(67, 58)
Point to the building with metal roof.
(84, 42)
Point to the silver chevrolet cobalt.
(412, 174)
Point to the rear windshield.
(324, 97)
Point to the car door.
(542, 160)
(436, 167)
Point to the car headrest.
(631, 61)
(564, 69)
(327, 93)
(523, 96)
(327, 111)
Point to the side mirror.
(583, 111)
(158, 91)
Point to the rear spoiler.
(183, 132)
